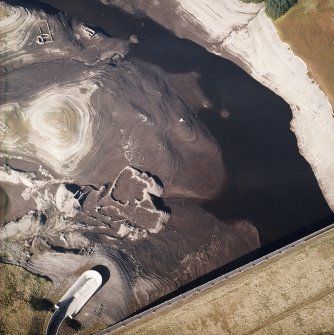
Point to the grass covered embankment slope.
(275, 8)
(23, 308)
(308, 28)
(292, 293)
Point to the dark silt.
(269, 182)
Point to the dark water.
(269, 181)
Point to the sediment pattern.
(16, 26)
(55, 126)
(246, 35)
(31, 36)
(97, 167)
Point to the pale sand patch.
(218, 18)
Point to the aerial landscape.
(147, 146)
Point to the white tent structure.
(80, 292)
(74, 299)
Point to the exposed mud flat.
(243, 33)
(103, 164)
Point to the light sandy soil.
(285, 295)
(243, 33)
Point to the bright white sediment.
(66, 202)
(55, 126)
(218, 18)
(16, 31)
